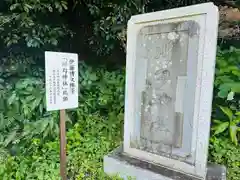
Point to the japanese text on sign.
(61, 72)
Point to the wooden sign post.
(63, 155)
(61, 76)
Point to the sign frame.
(53, 63)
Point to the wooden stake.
(63, 145)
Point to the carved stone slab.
(164, 47)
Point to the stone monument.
(168, 101)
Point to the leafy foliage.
(232, 124)
(27, 28)
(97, 130)
(222, 151)
(227, 73)
(106, 21)
(28, 22)
(226, 101)
(24, 115)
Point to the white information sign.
(61, 77)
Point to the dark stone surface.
(214, 172)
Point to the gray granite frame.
(206, 16)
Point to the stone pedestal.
(118, 163)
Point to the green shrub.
(228, 76)
(226, 106)
(224, 142)
(88, 141)
(109, 19)
(24, 116)
(95, 130)
(231, 123)
(222, 151)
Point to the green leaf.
(237, 119)
(233, 133)
(14, 6)
(56, 129)
(64, 5)
(41, 108)
(12, 98)
(43, 125)
(28, 6)
(217, 121)
(10, 137)
(27, 129)
(223, 93)
(54, 42)
(36, 103)
(68, 119)
(29, 43)
(46, 132)
(221, 127)
(227, 111)
(230, 96)
(50, 9)
(51, 123)
(235, 87)
(29, 98)
(26, 110)
(26, 9)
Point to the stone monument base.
(118, 163)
